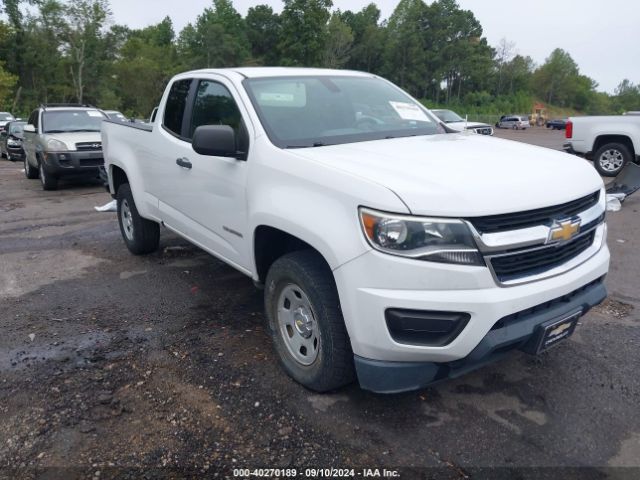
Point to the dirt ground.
(160, 367)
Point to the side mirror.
(216, 141)
(29, 129)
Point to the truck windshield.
(62, 121)
(314, 111)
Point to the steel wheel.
(127, 220)
(297, 325)
(611, 160)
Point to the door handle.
(184, 163)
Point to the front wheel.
(48, 181)
(29, 172)
(141, 236)
(306, 323)
(610, 158)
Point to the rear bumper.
(568, 148)
(73, 163)
(515, 332)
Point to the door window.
(33, 119)
(175, 106)
(214, 105)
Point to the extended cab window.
(176, 104)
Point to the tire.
(515, 127)
(610, 158)
(49, 182)
(141, 236)
(29, 172)
(302, 279)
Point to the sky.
(603, 37)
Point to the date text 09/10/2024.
(316, 473)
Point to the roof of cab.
(262, 72)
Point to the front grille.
(517, 265)
(533, 218)
(484, 131)
(89, 146)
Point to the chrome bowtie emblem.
(563, 230)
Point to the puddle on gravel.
(78, 349)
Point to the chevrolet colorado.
(610, 141)
(389, 249)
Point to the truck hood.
(460, 126)
(463, 175)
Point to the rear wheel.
(610, 158)
(48, 181)
(306, 323)
(141, 236)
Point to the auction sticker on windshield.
(409, 111)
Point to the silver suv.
(62, 140)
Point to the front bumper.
(73, 163)
(520, 331)
(15, 153)
(374, 282)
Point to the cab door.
(207, 201)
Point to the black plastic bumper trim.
(394, 377)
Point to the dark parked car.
(11, 141)
(557, 124)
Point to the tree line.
(71, 51)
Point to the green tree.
(148, 60)
(263, 32)
(627, 96)
(405, 53)
(553, 77)
(304, 33)
(368, 38)
(337, 49)
(218, 38)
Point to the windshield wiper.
(56, 131)
(315, 144)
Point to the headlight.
(13, 143)
(432, 239)
(54, 145)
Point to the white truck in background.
(610, 141)
(389, 250)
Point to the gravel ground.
(120, 366)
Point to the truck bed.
(146, 127)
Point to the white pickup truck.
(610, 141)
(389, 250)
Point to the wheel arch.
(608, 138)
(271, 243)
